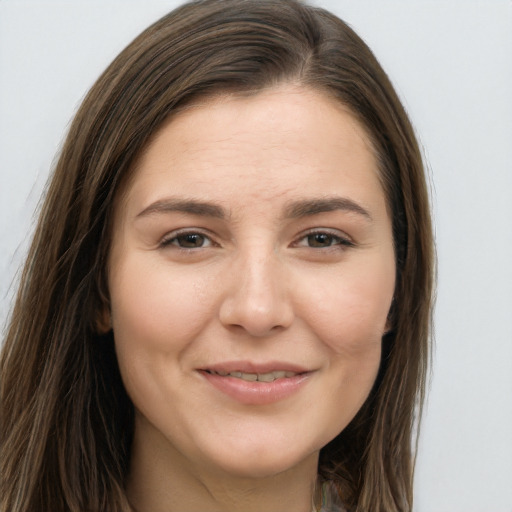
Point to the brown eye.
(190, 240)
(322, 240)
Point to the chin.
(264, 462)
(260, 469)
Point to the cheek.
(157, 315)
(155, 308)
(350, 324)
(350, 313)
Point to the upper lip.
(252, 367)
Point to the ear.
(103, 320)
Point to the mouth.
(256, 377)
(257, 384)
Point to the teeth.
(266, 377)
(260, 377)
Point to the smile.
(256, 377)
(252, 384)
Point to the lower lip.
(257, 393)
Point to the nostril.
(256, 319)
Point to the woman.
(226, 305)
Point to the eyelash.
(169, 240)
(334, 240)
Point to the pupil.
(319, 240)
(191, 241)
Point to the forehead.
(261, 146)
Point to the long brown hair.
(66, 421)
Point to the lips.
(252, 384)
(256, 377)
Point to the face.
(251, 274)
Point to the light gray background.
(451, 62)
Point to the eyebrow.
(294, 210)
(190, 206)
(305, 208)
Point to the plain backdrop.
(451, 62)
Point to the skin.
(269, 283)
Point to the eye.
(188, 240)
(323, 240)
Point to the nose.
(257, 298)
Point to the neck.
(162, 480)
